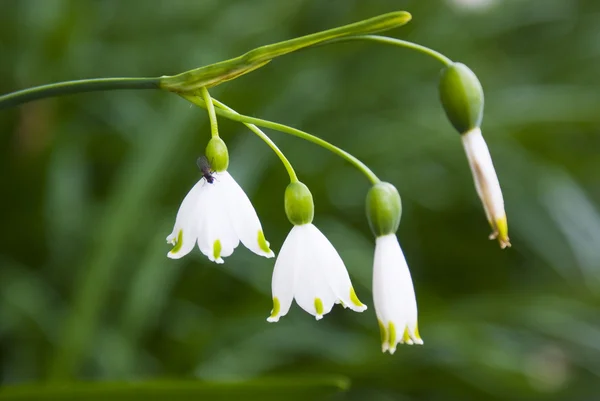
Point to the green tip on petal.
(354, 298)
(392, 336)
(263, 244)
(217, 249)
(384, 336)
(319, 307)
(501, 232)
(417, 335)
(276, 309)
(406, 336)
(178, 243)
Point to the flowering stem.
(214, 129)
(292, 131)
(396, 42)
(268, 141)
(213, 74)
(70, 87)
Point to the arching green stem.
(214, 128)
(80, 86)
(396, 42)
(292, 131)
(268, 141)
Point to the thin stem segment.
(214, 128)
(292, 131)
(79, 86)
(268, 141)
(396, 42)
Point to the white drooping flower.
(486, 183)
(309, 270)
(394, 295)
(217, 217)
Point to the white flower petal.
(216, 238)
(243, 217)
(185, 230)
(284, 272)
(486, 183)
(335, 270)
(309, 270)
(394, 295)
(312, 288)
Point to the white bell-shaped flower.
(486, 183)
(217, 216)
(309, 270)
(394, 295)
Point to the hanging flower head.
(462, 97)
(217, 215)
(308, 268)
(393, 292)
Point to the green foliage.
(264, 390)
(91, 185)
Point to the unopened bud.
(299, 206)
(217, 154)
(384, 209)
(462, 97)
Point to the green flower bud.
(299, 206)
(217, 154)
(384, 209)
(462, 97)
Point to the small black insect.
(206, 169)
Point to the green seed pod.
(462, 97)
(384, 209)
(217, 154)
(299, 206)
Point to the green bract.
(299, 206)
(384, 209)
(217, 154)
(462, 97)
(223, 71)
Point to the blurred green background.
(91, 185)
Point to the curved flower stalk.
(308, 268)
(393, 292)
(217, 216)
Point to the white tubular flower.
(393, 292)
(217, 216)
(394, 295)
(461, 94)
(486, 183)
(309, 270)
